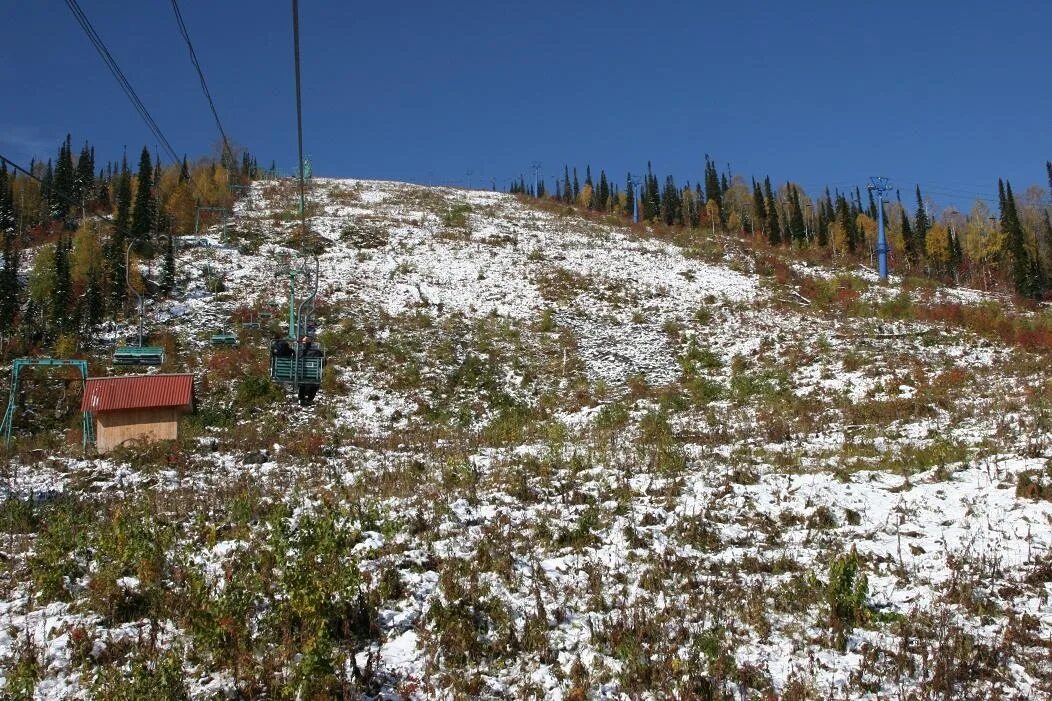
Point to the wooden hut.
(137, 407)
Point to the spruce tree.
(84, 178)
(846, 218)
(47, 190)
(630, 197)
(713, 188)
(141, 220)
(63, 182)
(168, 273)
(670, 206)
(759, 211)
(908, 240)
(119, 238)
(920, 233)
(652, 208)
(774, 229)
(1026, 273)
(9, 292)
(62, 292)
(797, 228)
(956, 254)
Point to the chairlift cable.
(299, 110)
(201, 76)
(118, 74)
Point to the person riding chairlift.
(309, 349)
(280, 348)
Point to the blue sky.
(948, 95)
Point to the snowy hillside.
(553, 457)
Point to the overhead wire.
(201, 76)
(118, 74)
(299, 108)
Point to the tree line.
(1013, 249)
(67, 228)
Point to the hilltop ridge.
(553, 455)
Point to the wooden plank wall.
(115, 427)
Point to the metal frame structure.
(197, 219)
(299, 369)
(12, 402)
(140, 354)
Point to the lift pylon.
(16, 371)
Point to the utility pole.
(637, 196)
(880, 186)
(536, 165)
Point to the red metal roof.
(137, 392)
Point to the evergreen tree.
(822, 235)
(713, 188)
(119, 238)
(62, 292)
(797, 228)
(774, 229)
(63, 182)
(9, 292)
(604, 192)
(670, 207)
(576, 186)
(567, 187)
(1026, 274)
(846, 219)
(759, 210)
(956, 254)
(47, 189)
(141, 221)
(168, 273)
(650, 196)
(84, 178)
(920, 233)
(630, 197)
(908, 239)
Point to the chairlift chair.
(137, 354)
(298, 360)
(224, 339)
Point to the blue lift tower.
(879, 186)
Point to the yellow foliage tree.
(838, 236)
(867, 226)
(937, 246)
(712, 209)
(87, 253)
(734, 222)
(584, 197)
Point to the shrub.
(845, 594)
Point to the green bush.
(845, 595)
